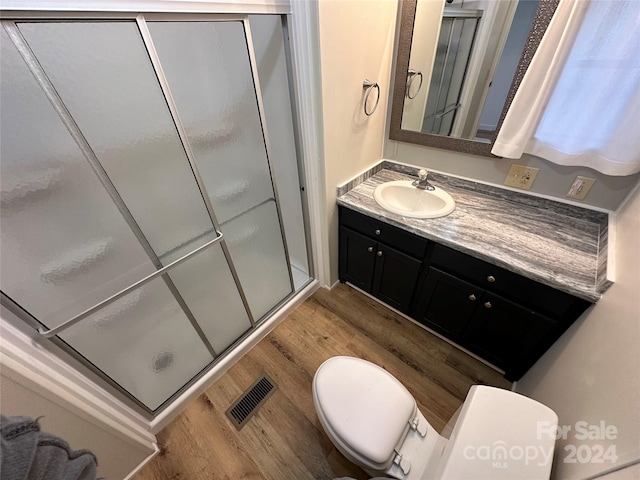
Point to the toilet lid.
(366, 407)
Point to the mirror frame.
(407, 10)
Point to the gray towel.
(26, 453)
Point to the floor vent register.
(250, 401)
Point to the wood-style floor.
(285, 440)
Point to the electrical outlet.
(580, 187)
(520, 176)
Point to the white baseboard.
(144, 463)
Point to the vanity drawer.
(528, 292)
(397, 238)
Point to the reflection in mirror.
(434, 110)
(458, 66)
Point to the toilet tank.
(498, 434)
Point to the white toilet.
(372, 419)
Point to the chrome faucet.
(423, 181)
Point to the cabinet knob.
(472, 297)
(487, 304)
(370, 249)
(491, 279)
(377, 231)
(379, 253)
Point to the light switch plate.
(521, 176)
(580, 187)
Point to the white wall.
(591, 373)
(356, 43)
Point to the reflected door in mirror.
(458, 65)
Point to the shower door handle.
(449, 109)
(90, 311)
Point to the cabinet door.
(357, 259)
(445, 303)
(395, 277)
(503, 332)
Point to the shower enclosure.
(151, 210)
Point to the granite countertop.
(556, 244)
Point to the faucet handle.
(422, 174)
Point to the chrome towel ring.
(369, 86)
(411, 76)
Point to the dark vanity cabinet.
(380, 259)
(505, 318)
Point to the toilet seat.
(373, 420)
(365, 408)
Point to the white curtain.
(579, 102)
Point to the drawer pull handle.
(379, 253)
(491, 279)
(472, 297)
(487, 304)
(370, 249)
(377, 231)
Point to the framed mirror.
(458, 67)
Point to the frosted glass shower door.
(158, 337)
(103, 73)
(271, 63)
(65, 246)
(226, 136)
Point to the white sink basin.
(404, 199)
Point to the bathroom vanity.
(503, 276)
